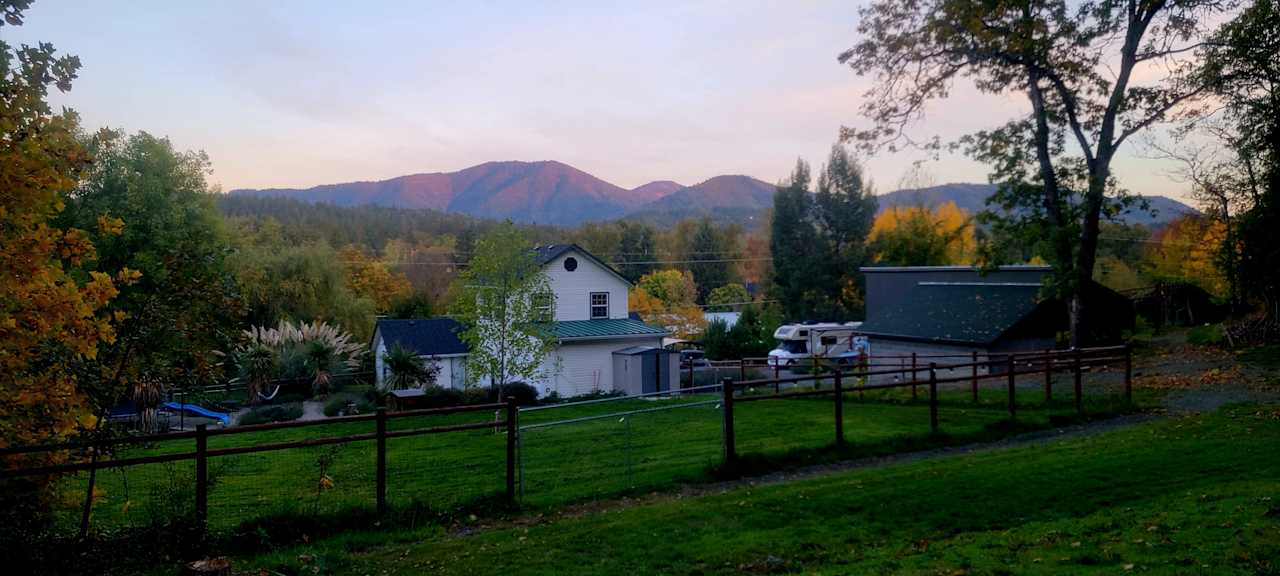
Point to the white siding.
(573, 289)
(584, 367)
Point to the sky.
(296, 94)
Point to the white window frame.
(591, 301)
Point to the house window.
(599, 305)
(570, 264)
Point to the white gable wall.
(573, 289)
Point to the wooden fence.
(1006, 367)
(1046, 362)
(201, 453)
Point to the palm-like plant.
(406, 369)
(321, 359)
(147, 392)
(257, 368)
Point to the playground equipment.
(222, 417)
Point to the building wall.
(885, 352)
(573, 289)
(583, 367)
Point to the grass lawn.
(596, 458)
(1191, 495)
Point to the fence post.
(1010, 366)
(973, 379)
(933, 397)
(839, 389)
(730, 453)
(1048, 376)
(381, 476)
(202, 477)
(1078, 386)
(692, 383)
(1128, 373)
(913, 376)
(742, 369)
(512, 431)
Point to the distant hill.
(723, 198)
(973, 197)
(529, 192)
(553, 193)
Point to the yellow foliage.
(948, 223)
(666, 298)
(48, 318)
(372, 279)
(1186, 250)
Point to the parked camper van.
(800, 342)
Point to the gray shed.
(645, 369)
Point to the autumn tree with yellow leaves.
(667, 298)
(50, 319)
(368, 277)
(923, 236)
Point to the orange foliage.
(369, 278)
(49, 319)
(1186, 250)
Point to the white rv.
(798, 343)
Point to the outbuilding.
(931, 310)
(645, 370)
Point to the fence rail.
(725, 395)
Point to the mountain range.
(555, 193)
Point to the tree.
(1185, 250)
(792, 240)
(299, 283)
(846, 208)
(819, 240)
(185, 306)
(707, 258)
(1241, 67)
(51, 320)
(1082, 69)
(373, 280)
(636, 250)
(502, 299)
(728, 297)
(923, 236)
(406, 370)
(666, 298)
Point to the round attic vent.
(571, 263)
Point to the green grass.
(1194, 495)
(598, 458)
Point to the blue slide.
(198, 411)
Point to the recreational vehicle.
(798, 343)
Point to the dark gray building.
(957, 309)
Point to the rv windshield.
(794, 346)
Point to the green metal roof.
(603, 328)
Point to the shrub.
(519, 392)
(438, 397)
(1207, 335)
(476, 395)
(337, 404)
(273, 413)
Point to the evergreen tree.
(707, 256)
(636, 249)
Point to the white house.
(590, 321)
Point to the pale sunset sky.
(295, 94)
